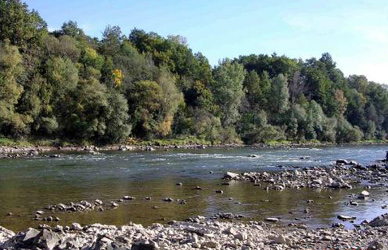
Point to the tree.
(253, 89)
(171, 97)
(279, 95)
(71, 28)
(11, 122)
(19, 25)
(145, 103)
(227, 88)
(341, 101)
(111, 40)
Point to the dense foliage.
(67, 85)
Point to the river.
(27, 185)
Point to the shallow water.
(27, 185)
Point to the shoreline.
(199, 232)
(37, 150)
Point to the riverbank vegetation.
(66, 85)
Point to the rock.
(47, 239)
(114, 204)
(168, 199)
(230, 230)
(98, 202)
(144, 246)
(342, 162)
(253, 156)
(379, 221)
(241, 236)
(39, 212)
(198, 188)
(210, 244)
(376, 245)
(179, 184)
(219, 191)
(33, 152)
(363, 194)
(353, 203)
(148, 148)
(271, 219)
(76, 227)
(30, 234)
(128, 198)
(344, 217)
(230, 175)
(61, 206)
(282, 240)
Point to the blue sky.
(354, 32)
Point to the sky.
(354, 32)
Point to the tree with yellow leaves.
(118, 77)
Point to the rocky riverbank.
(344, 174)
(55, 151)
(51, 151)
(200, 233)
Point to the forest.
(66, 85)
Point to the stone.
(342, 162)
(76, 227)
(379, 221)
(376, 245)
(364, 194)
(241, 236)
(98, 202)
(30, 234)
(47, 239)
(128, 198)
(344, 217)
(210, 244)
(281, 239)
(144, 246)
(230, 230)
(271, 219)
(230, 175)
(353, 203)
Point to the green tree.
(279, 95)
(19, 25)
(11, 122)
(227, 88)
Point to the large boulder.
(379, 221)
(5, 237)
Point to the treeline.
(68, 85)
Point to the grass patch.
(7, 142)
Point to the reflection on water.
(27, 185)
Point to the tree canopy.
(67, 85)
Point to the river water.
(27, 185)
